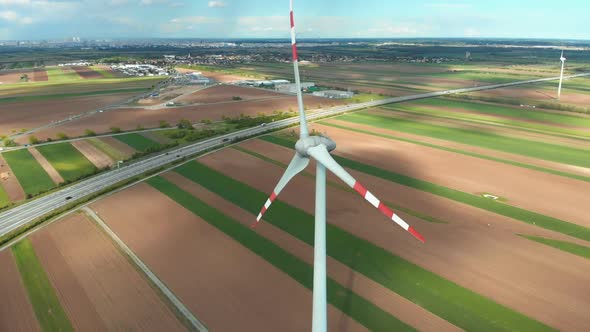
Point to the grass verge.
(513, 212)
(28, 171)
(572, 248)
(342, 298)
(458, 305)
(48, 310)
(4, 200)
(67, 160)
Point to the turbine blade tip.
(417, 235)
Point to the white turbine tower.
(562, 59)
(319, 147)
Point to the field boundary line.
(152, 276)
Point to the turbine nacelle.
(304, 144)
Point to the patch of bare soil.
(53, 173)
(97, 286)
(220, 281)
(16, 312)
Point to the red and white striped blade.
(321, 155)
(297, 164)
(359, 188)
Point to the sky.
(105, 19)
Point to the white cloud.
(217, 4)
(8, 15)
(26, 20)
(15, 2)
(188, 23)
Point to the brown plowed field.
(539, 281)
(16, 312)
(32, 114)
(129, 118)
(97, 157)
(385, 299)
(40, 75)
(122, 147)
(540, 94)
(224, 284)
(10, 182)
(469, 148)
(224, 93)
(35, 75)
(98, 287)
(532, 190)
(87, 72)
(53, 173)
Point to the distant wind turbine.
(319, 147)
(562, 59)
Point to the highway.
(23, 214)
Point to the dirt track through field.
(532, 190)
(92, 153)
(224, 284)
(16, 312)
(53, 173)
(477, 249)
(392, 303)
(468, 148)
(98, 287)
(10, 182)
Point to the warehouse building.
(334, 94)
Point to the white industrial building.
(292, 87)
(334, 94)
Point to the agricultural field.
(67, 160)
(435, 187)
(138, 142)
(131, 118)
(30, 174)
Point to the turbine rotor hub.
(303, 144)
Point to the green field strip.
(70, 163)
(4, 199)
(537, 115)
(344, 187)
(467, 153)
(69, 95)
(103, 72)
(57, 74)
(29, 173)
(355, 306)
(506, 210)
(46, 306)
(138, 141)
(107, 149)
(495, 121)
(460, 306)
(570, 247)
(545, 151)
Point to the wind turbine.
(318, 148)
(562, 59)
